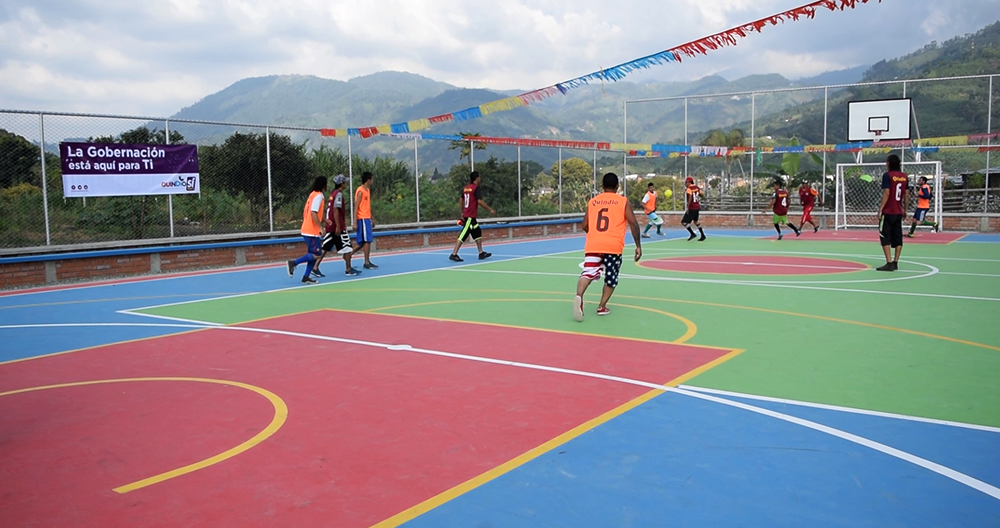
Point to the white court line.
(853, 410)
(959, 477)
(71, 325)
(131, 311)
(872, 256)
(766, 264)
(744, 283)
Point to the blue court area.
(988, 238)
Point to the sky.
(153, 58)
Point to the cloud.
(153, 58)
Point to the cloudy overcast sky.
(154, 58)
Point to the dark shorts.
(594, 263)
(920, 214)
(690, 216)
(890, 230)
(332, 242)
(470, 227)
(313, 244)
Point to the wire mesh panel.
(859, 191)
(22, 209)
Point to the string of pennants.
(616, 73)
(656, 150)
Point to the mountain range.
(594, 112)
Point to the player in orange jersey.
(924, 195)
(608, 214)
(649, 207)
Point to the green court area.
(922, 341)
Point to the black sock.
(793, 227)
(690, 230)
(777, 228)
(702, 231)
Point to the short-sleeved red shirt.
(780, 202)
(470, 200)
(897, 183)
(693, 197)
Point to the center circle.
(754, 265)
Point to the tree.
(18, 158)
(734, 138)
(462, 146)
(577, 184)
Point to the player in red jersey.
(692, 209)
(891, 211)
(779, 202)
(336, 238)
(471, 199)
(807, 197)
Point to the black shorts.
(690, 216)
(332, 242)
(470, 227)
(890, 230)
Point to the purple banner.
(112, 169)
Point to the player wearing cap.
(312, 230)
(807, 197)
(649, 207)
(692, 209)
(779, 203)
(336, 238)
(469, 202)
(608, 214)
(923, 205)
(891, 211)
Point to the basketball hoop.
(878, 135)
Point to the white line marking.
(871, 256)
(71, 325)
(961, 478)
(843, 409)
(764, 264)
(178, 319)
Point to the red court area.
(370, 431)
(754, 265)
(871, 235)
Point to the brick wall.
(273, 253)
(202, 258)
(99, 267)
(21, 275)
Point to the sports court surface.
(740, 381)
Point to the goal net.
(859, 192)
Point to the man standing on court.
(312, 230)
(807, 197)
(649, 207)
(779, 203)
(891, 212)
(923, 205)
(336, 238)
(469, 202)
(605, 221)
(692, 209)
(363, 222)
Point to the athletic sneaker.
(578, 308)
(317, 273)
(798, 232)
(352, 272)
(692, 237)
(291, 268)
(910, 235)
(887, 267)
(895, 266)
(309, 280)
(455, 258)
(780, 236)
(658, 233)
(603, 310)
(646, 235)
(485, 255)
(370, 266)
(937, 228)
(815, 229)
(703, 237)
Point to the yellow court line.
(280, 415)
(512, 464)
(691, 328)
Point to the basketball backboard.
(881, 120)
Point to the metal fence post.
(519, 180)
(45, 190)
(416, 176)
(753, 148)
(350, 179)
(170, 197)
(472, 155)
(826, 112)
(560, 180)
(270, 203)
(686, 137)
(989, 142)
(624, 141)
(594, 188)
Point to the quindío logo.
(188, 182)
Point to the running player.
(363, 218)
(692, 209)
(649, 207)
(807, 197)
(336, 238)
(312, 230)
(605, 221)
(892, 211)
(779, 203)
(469, 202)
(923, 205)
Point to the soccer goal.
(859, 192)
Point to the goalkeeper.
(337, 238)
